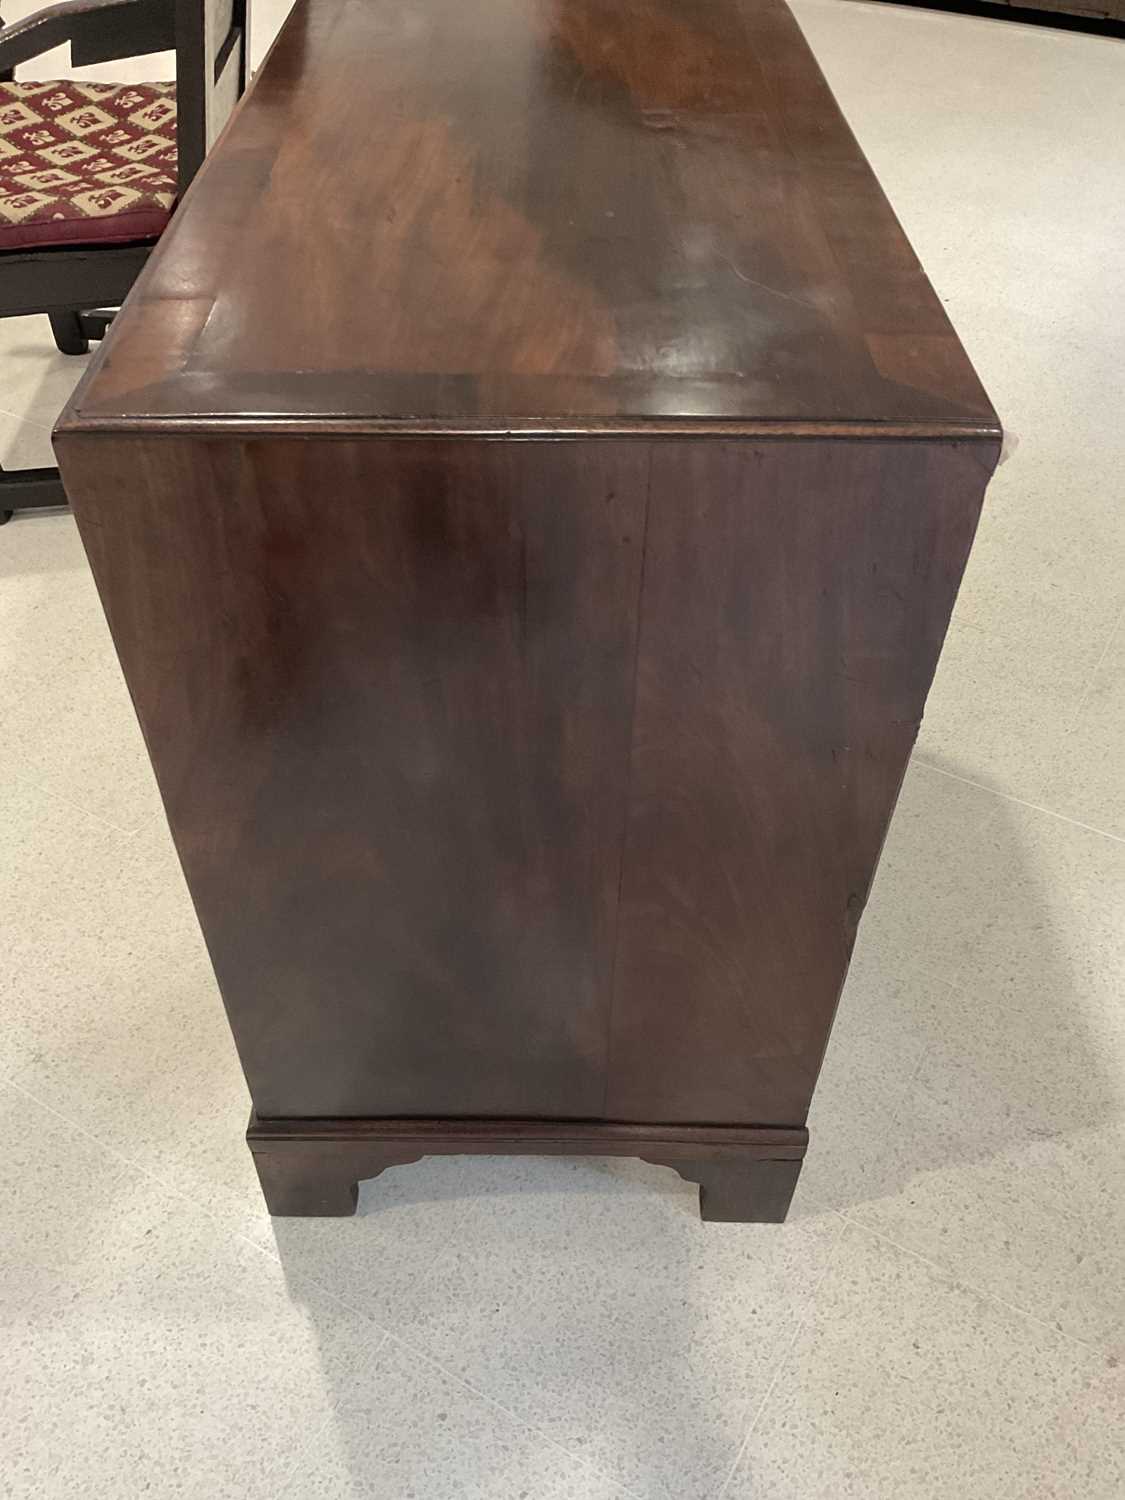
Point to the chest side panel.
(795, 599)
(386, 688)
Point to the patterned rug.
(85, 163)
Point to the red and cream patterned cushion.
(85, 163)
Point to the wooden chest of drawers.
(528, 490)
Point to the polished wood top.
(557, 215)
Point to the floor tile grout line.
(417, 1353)
(965, 1285)
(1094, 670)
(902, 1097)
(425, 1280)
(390, 1336)
(945, 1274)
(954, 990)
(127, 1163)
(167, 1181)
(286, 1487)
(923, 1054)
(26, 421)
(168, 1184)
(1038, 807)
(521, 1421)
(277, 1258)
(156, 1176)
(45, 791)
(801, 1322)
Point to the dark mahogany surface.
(528, 491)
(487, 214)
(534, 778)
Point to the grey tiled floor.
(943, 1315)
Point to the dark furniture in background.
(1099, 11)
(72, 282)
(531, 628)
(1101, 17)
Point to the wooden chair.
(97, 168)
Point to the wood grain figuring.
(476, 212)
(395, 749)
(530, 624)
(796, 597)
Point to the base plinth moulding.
(746, 1174)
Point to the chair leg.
(67, 329)
(95, 325)
(29, 489)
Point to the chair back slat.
(211, 46)
(96, 31)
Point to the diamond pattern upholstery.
(85, 163)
